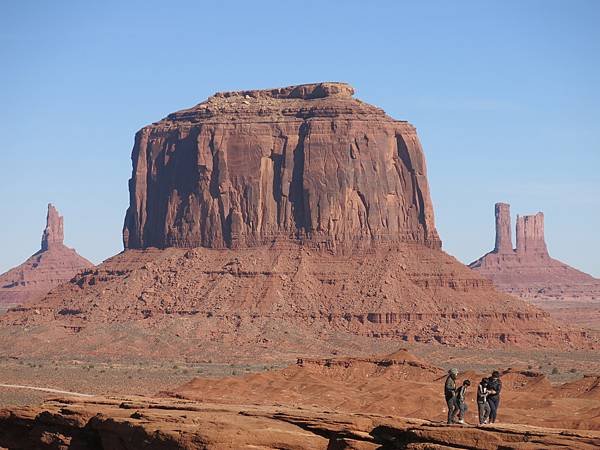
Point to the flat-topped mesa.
(53, 235)
(305, 163)
(530, 235)
(503, 232)
(279, 105)
(303, 91)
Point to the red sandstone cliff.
(52, 265)
(304, 162)
(528, 270)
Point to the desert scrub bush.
(554, 370)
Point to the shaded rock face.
(52, 265)
(528, 270)
(308, 163)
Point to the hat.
(453, 371)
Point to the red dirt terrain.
(341, 403)
(52, 265)
(400, 384)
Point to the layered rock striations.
(52, 265)
(308, 162)
(123, 423)
(275, 222)
(528, 270)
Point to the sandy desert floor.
(148, 377)
(583, 313)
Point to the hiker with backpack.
(450, 394)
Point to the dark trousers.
(452, 409)
(494, 404)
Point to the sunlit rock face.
(309, 162)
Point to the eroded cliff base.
(282, 302)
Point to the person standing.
(450, 394)
(482, 402)
(494, 387)
(461, 401)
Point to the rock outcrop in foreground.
(528, 270)
(136, 422)
(308, 162)
(284, 221)
(52, 265)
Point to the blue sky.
(505, 96)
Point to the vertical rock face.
(530, 235)
(53, 264)
(503, 232)
(53, 233)
(308, 163)
(528, 270)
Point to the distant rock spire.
(503, 232)
(53, 234)
(530, 235)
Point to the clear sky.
(505, 96)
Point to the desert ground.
(152, 377)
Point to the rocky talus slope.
(528, 270)
(292, 221)
(52, 265)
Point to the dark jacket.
(450, 388)
(494, 384)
